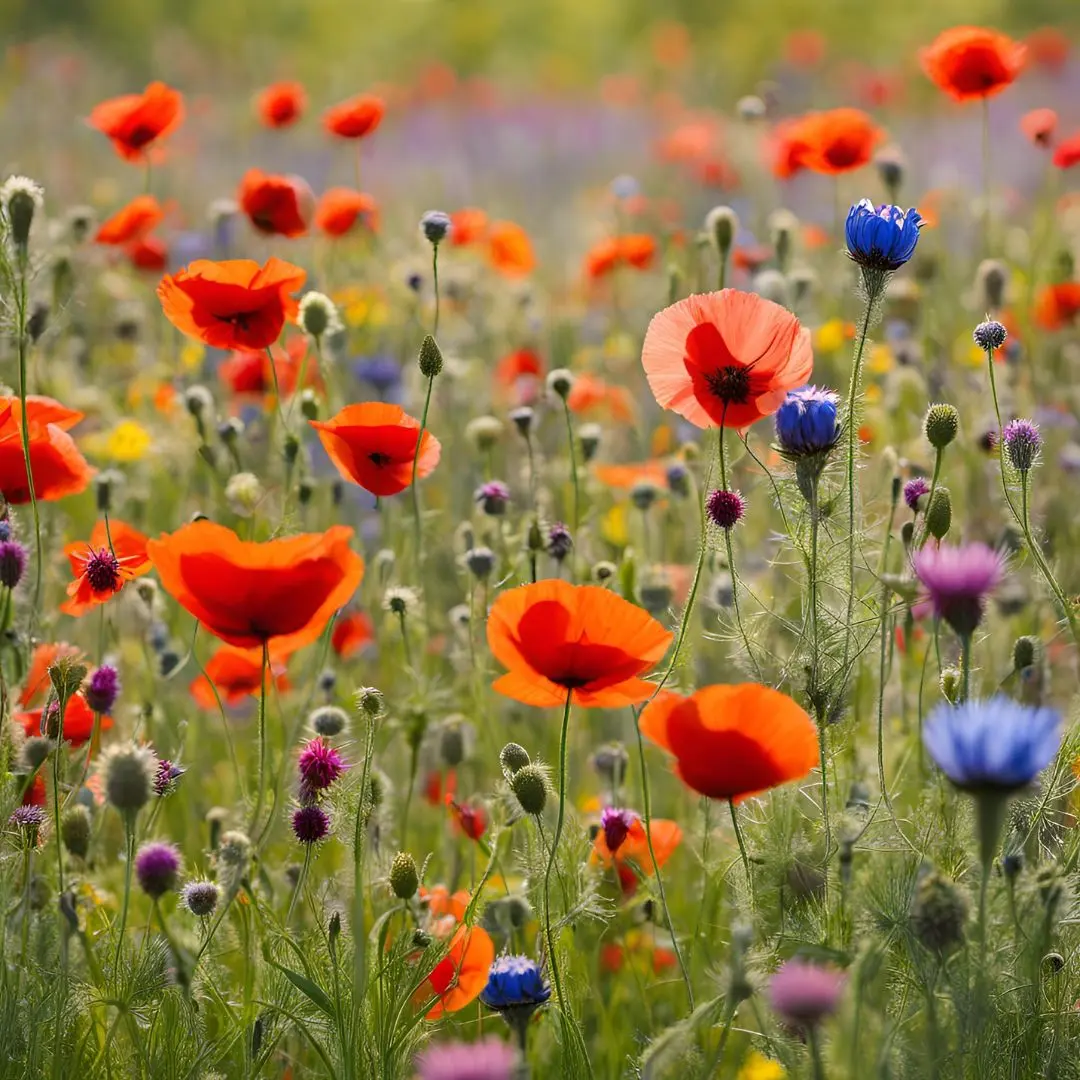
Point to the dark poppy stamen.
(730, 384)
(102, 570)
(379, 458)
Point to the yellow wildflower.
(191, 355)
(127, 442)
(758, 1067)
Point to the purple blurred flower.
(103, 689)
(804, 994)
(319, 765)
(914, 490)
(383, 373)
(310, 824)
(157, 866)
(1022, 444)
(725, 508)
(959, 579)
(486, 1059)
(12, 563)
(559, 541)
(165, 777)
(27, 820)
(493, 497)
(616, 824)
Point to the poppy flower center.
(730, 384)
(102, 571)
(379, 459)
(141, 134)
(239, 319)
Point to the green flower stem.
(549, 935)
(820, 713)
(814, 1041)
(300, 882)
(417, 527)
(965, 667)
(573, 468)
(129, 847)
(742, 846)
(360, 965)
(260, 790)
(22, 341)
(939, 455)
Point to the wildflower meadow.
(520, 562)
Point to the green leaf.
(312, 991)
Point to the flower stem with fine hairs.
(300, 882)
(259, 793)
(129, 847)
(359, 936)
(417, 528)
(573, 468)
(22, 339)
(548, 934)
(820, 713)
(742, 846)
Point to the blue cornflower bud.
(435, 225)
(808, 423)
(881, 238)
(515, 985)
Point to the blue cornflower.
(515, 983)
(881, 238)
(997, 745)
(381, 372)
(808, 423)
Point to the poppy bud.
(38, 321)
(129, 770)
(722, 223)
(63, 280)
(783, 227)
(328, 720)
(309, 404)
(404, 879)
(655, 595)
(455, 734)
(523, 419)
(513, 758)
(430, 360)
(907, 533)
(643, 494)
(305, 490)
(80, 220)
(243, 492)
(991, 280)
(289, 450)
(772, 285)
(198, 401)
(484, 432)
(560, 382)
(370, 701)
(1026, 652)
(317, 315)
(20, 198)
(230, 430)
(939, 513)
(803, 282)
(603, 571)
(938, 913)
(589, 439)
(33, 752)
(530, 786)
(610, 761)
(75, 830)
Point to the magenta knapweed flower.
(959, 579)
(914, 490)
(27, 820)
(616, 824)
(725, 508)
(157, 866)
(493, 497)
(485, 1059)
(1022, 444)
(320, 765)
(310, 824)
(12, 563)
(103, 689)
(804, 994)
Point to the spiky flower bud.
(318, 316)
(939, 513)
(1027, 651)
(941, 425)
(530, 786)
(513, 758)
(404, 880)
(128, 770)
(992, 279)
(722, 223)
(201, 897)
(430, 360)
(938, 913)
(20, 199)
(370, 701)
(75, 830)
(328, 720)
(950, 684)
(990, 335)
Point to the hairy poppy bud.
(992, 280)
(722, 223)
(317, 315)
(369, 700)
(20, 198)
(436, 226)
(939, 513)
(941, 425)
(75, 830)
(530, 786)
(430, 360)
(1026, 652)
(404, 879)
(513, 758)
(560, 382)
(938, 913)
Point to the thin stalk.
(965, 666)
(417, 529)
(573, 467)
(359, 936)
(129, 846)
(814, 1040)
(742, 846)
(549, 935)
(939, 455)
(259, 794)
(300, 882)
(22, 341)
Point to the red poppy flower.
(520, 364)
(341, 210)
(235, 304)
(353, 632)
(249, 594)
(281, 104)
(135, 121)
(557, 638)
(971, 62)
(788, 147)
(468, 226)
(35, 794)
(247, 373)
(57, 466)
(438, 791)
(148, 253)
(458, 978)
(355, 118)
(276, 205)
(470, 818)
(627, 851)
(373, 445)
(102, 567)
(236, 673)
(37, 682)
(591, 394)
(1039, 126)
(831, 142)
(510, 249)
(1048, 48)
(732, 742)
(131, 222)
(1058, 305)
(78, 720)
(632, 249)
(1067, 153)
(725, 358)
(440, 902)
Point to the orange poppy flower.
(280, 104)
(276, 205)
(458, 977)
(37, 681)
(249, 594)
(1039, 126)
(832, 142)
(373, 445)
(520, 364)
(353, 632)
(101, 567)
(131, 222)
(235, 304)
(1058, 305)
(1067, 153)
(248, 373)
(57, 466)
(725, 358)
(557, 638)
(624, 477)
(510, 249)
(1047, 47)
(355, 118)
(591, 394)
(623, 844)
(467, 226)
(340, 210)
(135, 121)
(632, 249)
(441, 902)
(147, 253)
(236, 673)
(732, 742)
(78, 720)
(971, 62)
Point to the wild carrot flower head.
(804, 994)
(959, 579)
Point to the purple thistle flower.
(12, 563)
(493, 497)
(1022, 444)
(102, 570)
(157, 866)
(320, 765)
(725, 508)
(165, 777)
(559, 541)
(103, 689)
(914, 490)
(804, 994)
(27, 820)
(201, 897)
(959, 579)
(310, 824)
(616, 824)
(486, 1059)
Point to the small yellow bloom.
(662, 441)
(872, 394)
(127, 442)
(758, 1067)
(881, 360)
(191, 355)
(830, 336)
(613, 526)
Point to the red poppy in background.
(591, 394)
(468, 226)
(623, 844)
(280, 104)
(1058, 305)
(1048, 48)
(247, 372)
(469, 818)
(237, 674)
(733, 741)
(1039, 126)
(1067, 153)
(135, 121)
(353, 632)
(805, 48)
(834, 142)
(457, 979)
(520, 364)
(373, 445)
(58, 468)
(788, 148)
(510, 249)
(631, 249)
(250, 594)
(276, 205)
(971, 62)
(148, 253)
(582, 640)
(35, 794)
(78, 720)
(101, 566)
(725, 358)
(341, 210)
(235, 304)
(37, 681)
(131, 222)
(355, 118)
